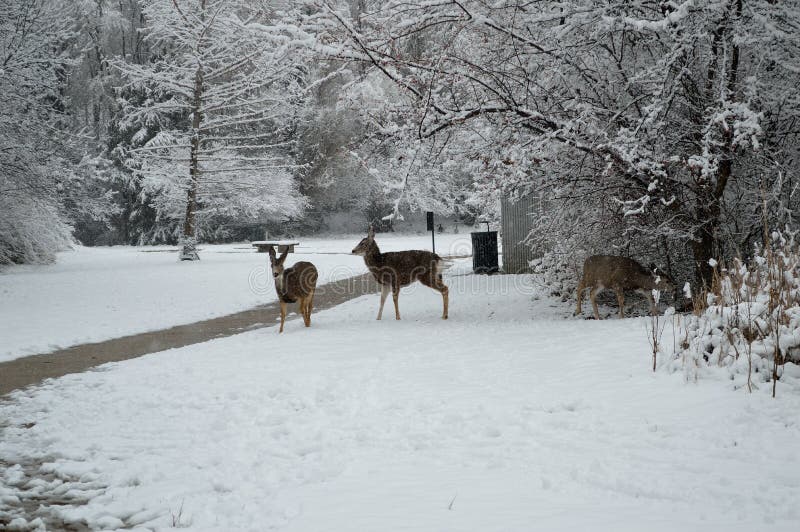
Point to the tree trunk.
(705, 245)
(189, 251)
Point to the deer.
(396, 269)
(294, 284)
(616, 273)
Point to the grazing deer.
(293, 284)
(620, 273)
(396, 269)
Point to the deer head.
(366, 243)
(662, 279)
(277, 263)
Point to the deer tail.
(442, 264)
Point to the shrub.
(749, 320)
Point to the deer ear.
(371, 232)
(283, 256)
(271, 252)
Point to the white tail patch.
(442, 265)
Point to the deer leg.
(283, 315)
(592, 294)
(439, 285)
(435, 282)
(384, 293)
(395, 297)
(304, 311)
(579, 295)
(309, 306)
(649, 295)
(620, 302)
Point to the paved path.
(22, 372)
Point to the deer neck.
(373, 257)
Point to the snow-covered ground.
(93, 294)
(506, 417)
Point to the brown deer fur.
(396, 269)
(294, 284)
(618, 274)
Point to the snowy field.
(93, 294)
(507, 417)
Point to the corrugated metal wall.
(516, 224)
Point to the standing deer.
(396, 269)
(620, 273)
(293, 284)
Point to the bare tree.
(217, 120)
(657, 113)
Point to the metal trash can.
(484, 252)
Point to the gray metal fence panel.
(516, 220)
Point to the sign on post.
(429, 215)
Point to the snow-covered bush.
(43, 186)
(31, 230)
(558, 271)
(749, 321)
